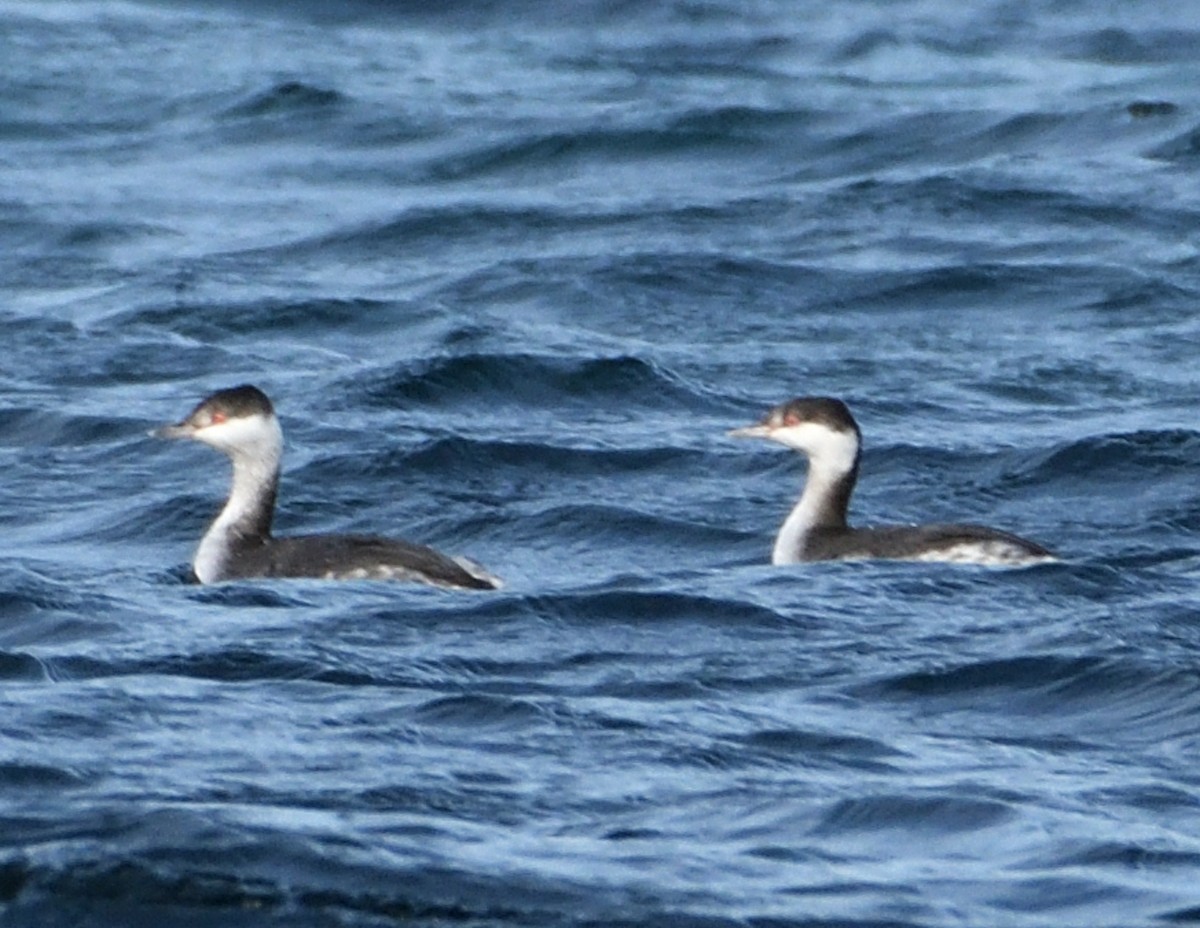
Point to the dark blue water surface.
(510, 272)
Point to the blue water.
(510, 272)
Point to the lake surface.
(510, 271)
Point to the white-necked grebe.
(241, 422)
(824, 431)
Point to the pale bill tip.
(171, 431)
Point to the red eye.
(791, 419)
(217, 418)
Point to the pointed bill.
(751, 431)
(176, 430)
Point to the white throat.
(255, 447)
(832, 456)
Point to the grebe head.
(819, 427)
(238, 421)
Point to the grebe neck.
(823, 504)
(247, 515)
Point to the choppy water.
(510, 271)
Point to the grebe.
(824, 431)
(241, 422)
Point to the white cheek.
(831, 448)
(238, 433)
